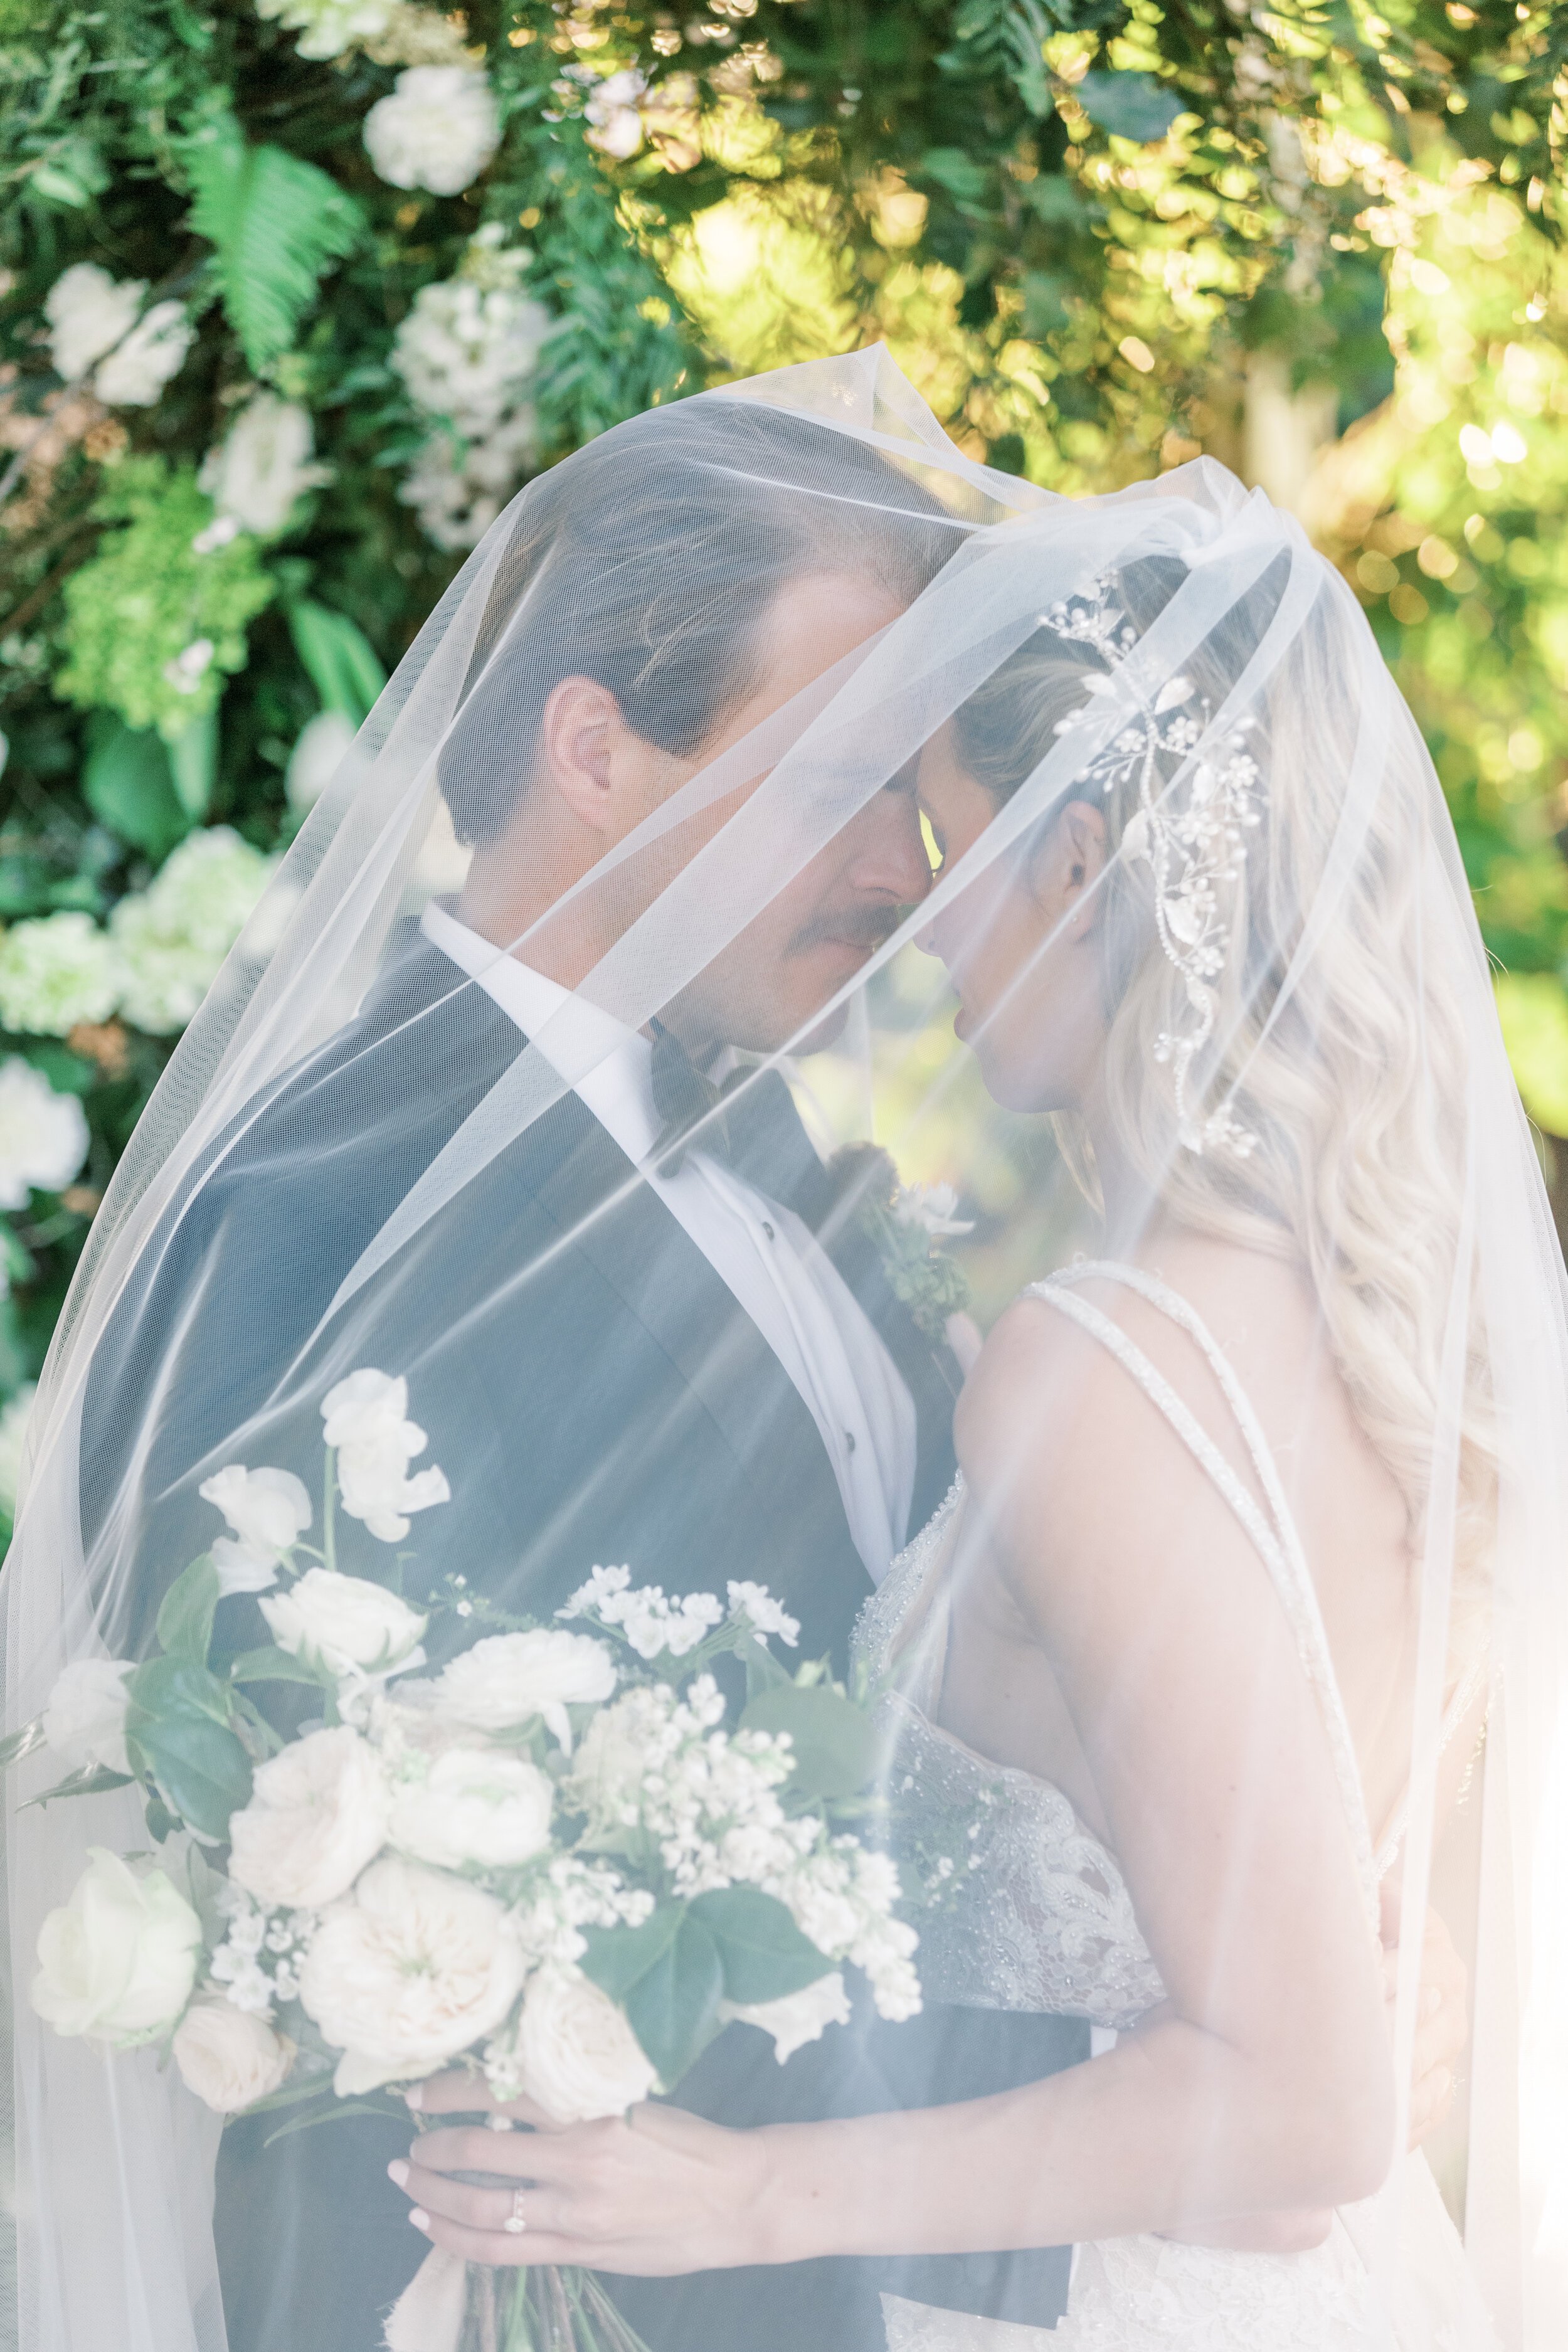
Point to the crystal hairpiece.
(1196, 844)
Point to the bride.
(1201, 1635)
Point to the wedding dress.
(1043, 1920)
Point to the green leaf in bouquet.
(763, 1955)
(837, 1746)
(185, 1616)
(179, 1727)
(22, 1743)
(336, 2110)
(618, 1956)
(92, 1782)
(275, 1666)
(673, 2008)
(763, 1672)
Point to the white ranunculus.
(346, 1625)
(796, 2018)
(317, 1815)
(264, 465)
(43, 1135)
(364, 1418)
(408, 1972)
(87, 313)
(84, 1722)
(56, 971)
(320, 749)
(14, 1420)
(118, 1961)
(437, 130)
(474, 1805)
(574, 2051)
(135, 373)
(508, 1677)
(268, 1512)
(228, 2058)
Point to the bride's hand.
(660, 2193)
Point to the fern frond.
(276, 223)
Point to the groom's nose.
(888, 859)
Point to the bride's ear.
(1070, 864)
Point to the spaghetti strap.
(1274, 1537)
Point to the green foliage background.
(1084, 227)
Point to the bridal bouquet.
(566, 1860)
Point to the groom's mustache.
(863, 927)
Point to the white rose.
(364, 1418)
(87, 313)
(42, 1136)
(84, 1722)
(508, 1677)
(267, 1510)
(474, 1805)
(135, 373)
(317, 1815)
(228, 2059)
(437, 130)
(798, 2017)
(574, 2051)
(320, 749)
(264, 465)
(117, 1963)
(345, 1624)
(408, 1972)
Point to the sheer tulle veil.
(1308, 1059)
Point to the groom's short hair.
(649, 560)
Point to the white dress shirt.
(771, 1262)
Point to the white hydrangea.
(88, 311)
(174, 936)
(466, 353)
(56, 971)
(263, 466)
(43, 1135)
(135, 373)
(328, 27)
(13, 1422)
(437, 130)
(457, 491)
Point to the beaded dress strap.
(1278, 1545)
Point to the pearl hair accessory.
(1195, 844)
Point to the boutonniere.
(907, 1224)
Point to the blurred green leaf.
(337, 658)
(1130, 105)
(128, 784)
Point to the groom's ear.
(577, 736)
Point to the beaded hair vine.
(1194, 844)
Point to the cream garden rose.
(408, 1972)
(117, 1963)
(228, 2058)
(573, 2052)
(346, 1624)
(84, 1722)
(474, 1805)
(317, 1815)
(508, 1677)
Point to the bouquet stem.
(541, 2309)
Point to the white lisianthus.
(573, 2052)
(264, 465)
(437, 130)
(345, 1625)
(406, 1973)
(474, 1805)
(136, 370)
(796, 2018)
(84, 1722)
(268, 1512)
(365, 1419)
(14, 1420)
(320, 749)
(88, 311)
(508, 1677)
(174, 936)
(317, 1815)
(117, 1962)
(56, 971)
(613, 113)
(43, 1135)
(228, 2059)
(755, 1602)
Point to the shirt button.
(849, 1439)
(767, 1229)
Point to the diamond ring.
(514, 2225)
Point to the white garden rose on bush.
(320, 749)
(408, 1972)
(796, 2018)
(117, 1962)
(474, 1805)
(227, 2058)
(136, 370)
(507, 1678)
(437, 130)
(345, 1625)
(88, 311)
(365, 1418)
(573, 2052)
(268, 1512)
(84, 1722)
(54, 972)
(317, 1815)
(264, 465)
(44, 1136)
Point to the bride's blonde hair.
(1351, 1082)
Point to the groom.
(704, 1372)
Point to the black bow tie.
(686, 1100)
